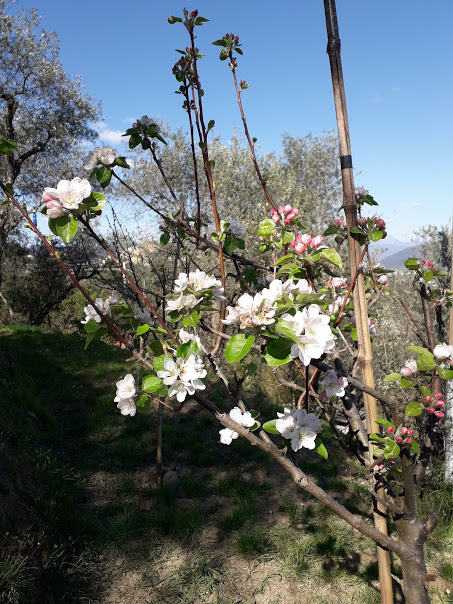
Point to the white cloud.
(111, 136)
(129, 120)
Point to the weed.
(14, 579)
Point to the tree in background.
(42, 110)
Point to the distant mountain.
(392, 252)
(396, 261)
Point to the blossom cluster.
(340, 223)
(303, 242)
(183, 376)
(105, 156)
(259, 310)
(104, 306)
(244, 419)
(435, 405)
(187, 285)
(337, 282)
(286, 213)
(68, 194)
(300, 427)
(370, 222)
(403, 436)
(125, 394)
(314, 336)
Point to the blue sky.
(396, 62)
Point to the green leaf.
(238, 50)
(104, 176)
(393, 377)
(164, 238)
(331, 230)
(283, 328)
(238, 347)
(172, 20)
(357, 230)
(405, 383)
(384, 422)
(284, 260)
(277, 352)
(121, 162)
(255, 426)
(231, 243)
(376, 235)
(158, 362)
(305, 299)
(186, 349)
(267, 227)
(425, 391)
(142, 329)
(445, 374)
(156, 347)
(413, 409)
(428, 276)
(333, 257)
(65, 226)
(211, 125)
(391, 450)
(192, 320)
(270, 427)
(141, 402)
(151, 383)
(219, 43)
(415, 447)
(99, 200)
(439, 274)
(92, 326)
(412, 264)
(354, 334)
(320, 449)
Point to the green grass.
(78, 468)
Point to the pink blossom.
(305, 239)
(408, 441)
(300, 248)
(54, 208)
(316, 241)
(440, 414)
(276, 218)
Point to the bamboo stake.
(449, 388)
(360, 306)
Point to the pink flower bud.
(399, 439)
(99, 212)
(430, 264)
(440, 404)
(276, 218)
(287, 209)
(273, 212)
(431, 410)
(316, 241)
(135, 125)
(390, 429)
(261, 238)
(440, 414)
(406, 372)
(54, 208)
(408, 441)
(300, 248)
(410, 432)
(193, 13)
(423, 261)
(403, 431)
(362, 222)
(427, 399)
(295, 212)
(438, 395)
(345, 224)
(337, 223)
(292, 245)
(281, 209)
(380, 224)
(306, 239)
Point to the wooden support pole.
(360, 306)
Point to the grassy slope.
(82, 520)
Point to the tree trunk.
(413, 564)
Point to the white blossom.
(334, 385)
(104, 306)
(70, 193)
(227, 436)
(443, 351)
(107, 155)
(125, 388)
(298, 426)
(314, 336)
(92, 159)
(127, 407)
